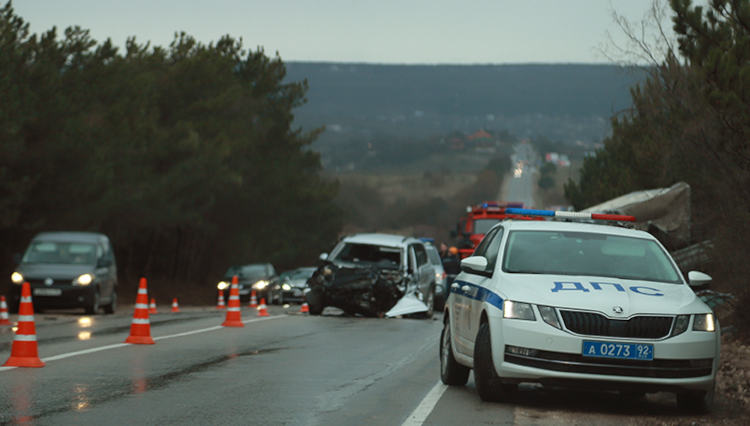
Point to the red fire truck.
(479, 219)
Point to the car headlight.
(260, 285)
(518, 310)
(286, 287)
(549, 316)
(16, 277)
(222, 285)
(680, 324)
(84, 279)
(704, 322)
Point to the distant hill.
(562, 102)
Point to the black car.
(292, 286)
(260, 277)
(68, 270)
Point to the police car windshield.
(481, 226)
(386, 256)
(592, 254)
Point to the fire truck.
(479, 219)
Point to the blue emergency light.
(570, 215)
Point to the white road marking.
(423, 410)
(120, 345)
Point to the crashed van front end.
(356, 289)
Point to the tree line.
(690, 121)
(185, 155)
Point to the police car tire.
(486, 379)
(698, 402)
(451, 372)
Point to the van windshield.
(55, 252)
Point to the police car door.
(473, 289)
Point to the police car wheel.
(698, 402)
(451, 372)
(487, 381)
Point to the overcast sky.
(375, 31)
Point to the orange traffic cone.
(253, 300)
(24, 352)
(152, 306)
(305, 308)
(234, 317)
(140, 328)
(3, 312)
(262, 311)
(175, 306)
(220, 302)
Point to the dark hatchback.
(260, 277)
(68, 270)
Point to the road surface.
(288, 368)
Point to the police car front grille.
(592, 324)
(576, 363)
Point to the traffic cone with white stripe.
(305, 308)
(262, 311)
(24, 352)
(175, 306)
(220, 303)
(140, 328)
(253, 300)
(152, 306)
(4, 312)
(234, 317)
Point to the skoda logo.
(617, 309)
(48, 281)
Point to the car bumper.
(56, 296)
(537, 352)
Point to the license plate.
(638, 351)
(47, 292)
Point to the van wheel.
(110, 309)
(93, 307)
(489, 386)
(451, 372)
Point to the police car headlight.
(704, 322)
(518, 310)
(84, 279)
(222, 285)
(16, 277)
(286, 287)
(680, 324)
(549, 316)
(260, 285)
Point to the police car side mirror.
(474, 264)
(323, 256)
(698, 279)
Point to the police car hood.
(603, 294)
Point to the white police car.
(578, 304)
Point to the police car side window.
(493, 248)
(481, 249)
(489, 247)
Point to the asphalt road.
(520, 186)
(288, 368)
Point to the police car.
(578, 304)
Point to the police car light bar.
(571, 215)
